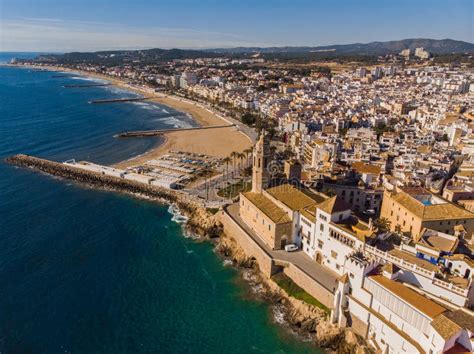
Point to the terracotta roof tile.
(294, 198)
(445, 327)
(269, 208)
(434, 212)
(362, 167)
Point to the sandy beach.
(219, 142)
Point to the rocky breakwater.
(200, 221)
(309, 322)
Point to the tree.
(382, 224)
(248, 119)
(240, 156)
(234, 155)
(226, 160)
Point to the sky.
(88, 25)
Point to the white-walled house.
(330, 233)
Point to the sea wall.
(200, 221)
(269, 266)
(325, 296)
(249, 246)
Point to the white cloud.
(56, 35)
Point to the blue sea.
(90, 271)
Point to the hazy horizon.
(54, 26)
(210, 48)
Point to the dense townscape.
(362, 182)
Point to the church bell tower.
(261, 157)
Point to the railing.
(398, 261)
(416, 269)
(450, 286)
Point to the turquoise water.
(87, 271)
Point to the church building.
(273, 213)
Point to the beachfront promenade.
(314, 278)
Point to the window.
(320, 244)
(323, 217)
(334, 254)
(263, 221)
(321, 227)
(269, 227)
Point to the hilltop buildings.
(407, 297)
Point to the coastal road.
(321, 274)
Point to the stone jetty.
(200, 221)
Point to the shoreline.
(207, 142)
(299, 318)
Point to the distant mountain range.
(435, 46)
(126, 56)
(117, 57)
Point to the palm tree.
(207, 183)
(382, 224)
(226, 160)
(234, 155)
(240, 156)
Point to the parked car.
(291, 248)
